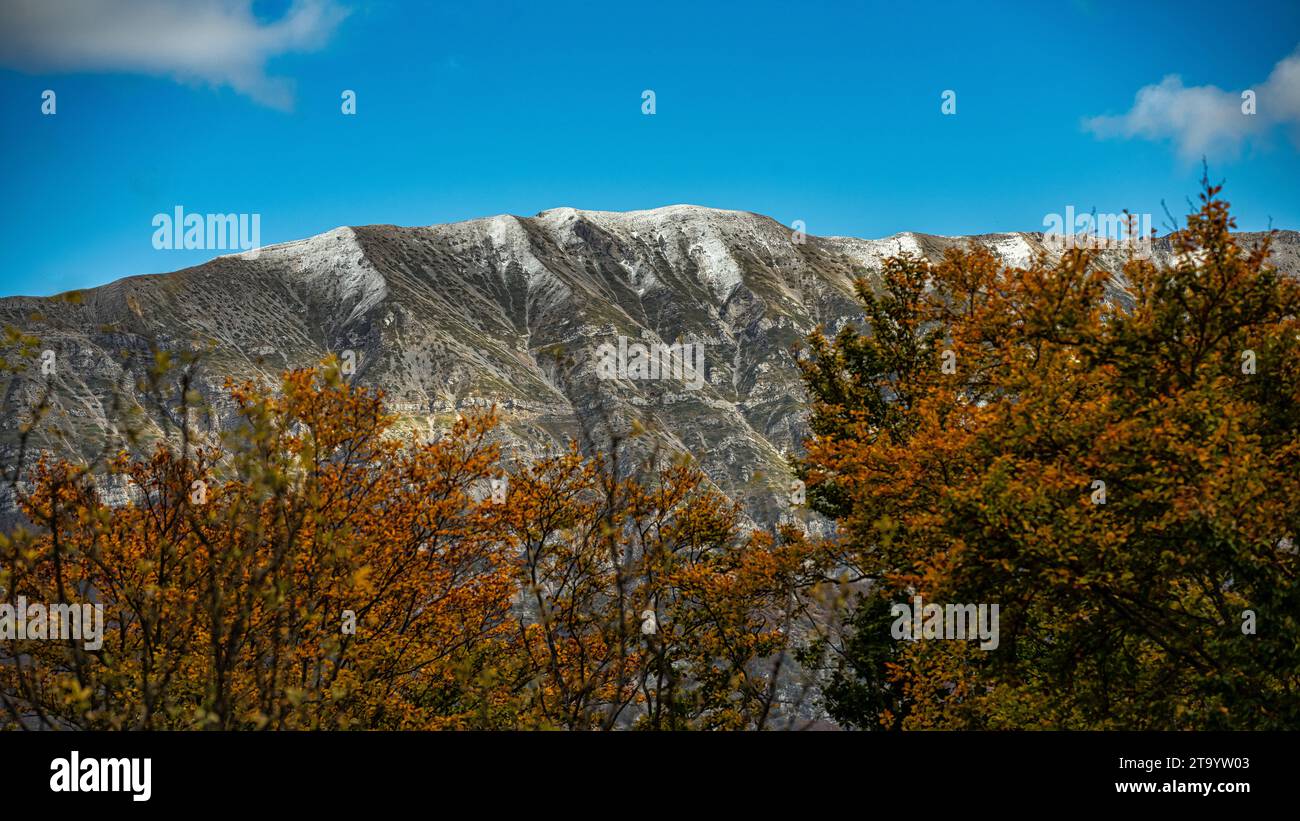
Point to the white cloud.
(1206, 120)
(219, 42)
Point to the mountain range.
(502, 310)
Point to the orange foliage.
(315, 571)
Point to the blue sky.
(828, 113)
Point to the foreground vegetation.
(1122, 480)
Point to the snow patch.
(1013, 249)
(706, 235)
(333, 266)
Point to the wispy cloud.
(219, 42)
(1206, 120)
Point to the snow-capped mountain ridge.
(510, 310)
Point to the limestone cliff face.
(506, 310)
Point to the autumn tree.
(645, 603)
(311, 573)
(314, 568)
(1114, 463)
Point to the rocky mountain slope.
(506, 310)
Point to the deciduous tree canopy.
(1118, 471)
